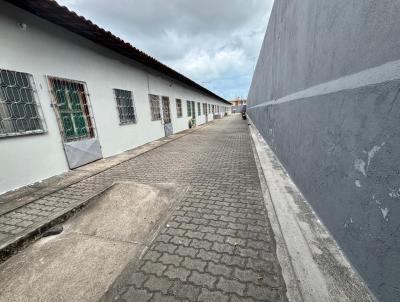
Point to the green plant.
(192, 123)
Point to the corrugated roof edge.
(60, 15)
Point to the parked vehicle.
(243, 112)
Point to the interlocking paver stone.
(212, 296)
(209, 255)
(180, 240)
(158, 284)
(152, 255)
(218, 269)
(153, 268)
(231, 286)
(136, 295)
(185, 291)
(200, 244)
(165, 247)
(186, 251)
(202, 280)
(194, 264)
(177, 273)
(171, 259)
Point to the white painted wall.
(45, 49)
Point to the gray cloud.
(215, 42)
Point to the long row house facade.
(72, 93)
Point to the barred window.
(165, 110)
(126, 109)
(19, 111)
(204, 108)
(178, 108)
(209, 108)
(155, 107)
(198, 108)
(189, 108)
(193, 109)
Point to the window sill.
(127, 123)
(26, 133)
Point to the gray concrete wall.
(326, 97)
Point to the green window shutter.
(61, 99)
(80, 124)
(68, 125)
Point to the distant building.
(237, 104)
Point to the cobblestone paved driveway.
(218, 244)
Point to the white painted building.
(71, 93)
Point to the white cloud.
(216, 43)
(205, 66)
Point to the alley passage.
(218, 244)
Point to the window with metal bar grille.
(205, 108)
(125, 106)
(198, 108)
(155, 107)
(166, 110)
(189, 108)
(19, 111)
(178, 108)
(193, 109)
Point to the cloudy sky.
(214, 42)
